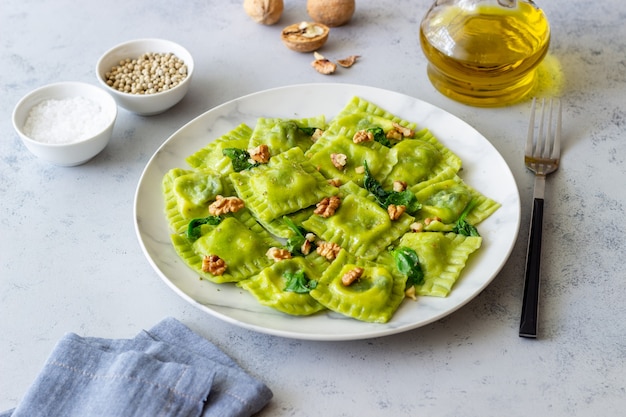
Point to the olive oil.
(484, 53)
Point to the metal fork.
(542, 154)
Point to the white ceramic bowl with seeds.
(66, 123)
(158, 76)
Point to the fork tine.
(541, 141)
(531, 129)
(556, 149)
(548, 142)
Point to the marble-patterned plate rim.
(483, 168)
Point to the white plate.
(483, 168)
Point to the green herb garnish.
(408, 263)
(379, 136)
(295, 242)
(193, 229)
(240, 159)
(385, 198)
(298, 282)
(462, 227)
(309, 131)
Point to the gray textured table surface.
(70, 260)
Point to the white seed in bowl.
(148, 74)
(66, 120)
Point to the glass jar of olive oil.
(484, 52)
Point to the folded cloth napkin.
(165, 371)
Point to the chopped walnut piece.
(399, 132)
(328, 250)
(405, 131)
(399, 186)
(317, 134)
(411, 293)
(306, 247)
(394, 134)
(363, 136)
(417, 227)
(323, 65)
(352, 275)
(395, 211)
(360, 169)
(223, 205)
(328, 206)
(349, 61)
(213, 264)
(278, 254)
(260, 154)
(429, 220)
(339, 160)
(335, 182)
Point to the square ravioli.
(270, 286)
(373, 297)
(442, 257)
(188, 194)
(281, 135)
(212, 156)
(359, 225)
(286, 184)
(237, 241)
(446, 200)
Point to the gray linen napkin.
(165, 371)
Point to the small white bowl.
(66, 153)
(145, 104)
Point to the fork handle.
(528, 324)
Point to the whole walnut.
(332, 13)
(266, 12)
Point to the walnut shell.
(305, 36)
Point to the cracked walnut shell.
(305, 36)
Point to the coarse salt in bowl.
(145, 94)
(66, 123)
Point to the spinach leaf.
(295, 242)
(240, 159)
(379, 136)
(374, 187)
(298, 282)
(193, 229)
(309, 131)
(385, 198)
(462, 227)
(408, 263)
(404, 198)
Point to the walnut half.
(328, 250)
(352, 275)
(328, 206)
(278, 254)
(260, 154)
(223, 205)
(399, 132)
(213, 264)
(395, 211)
(363, 136)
